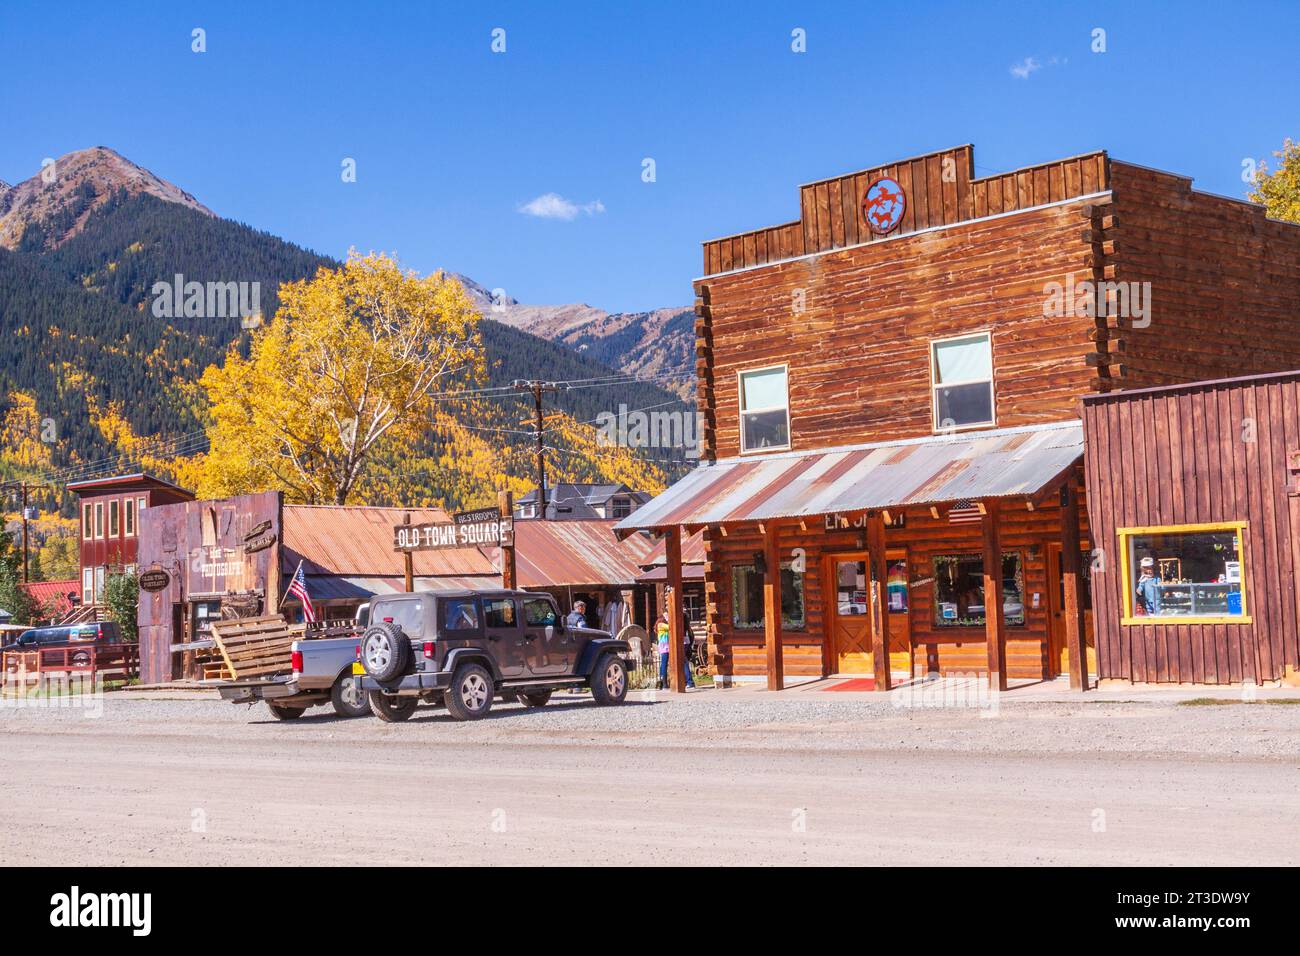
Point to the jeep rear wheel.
(348, 698)
(535, 699)
(609, 680)
(280, 712)
(470, 695)
(392, 710)
(385, 651)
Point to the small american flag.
(964, 512)
(298, 588)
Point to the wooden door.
(849, 613)
(1058, 652)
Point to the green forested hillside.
(80, 337)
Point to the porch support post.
(1075, 636)
(673, 558)
(879, 599)
(772, 608)
(995, 633)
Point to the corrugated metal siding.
(1178, 456)
(992, 464)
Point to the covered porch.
(882, 553)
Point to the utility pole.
(25, 535)
(538, 389)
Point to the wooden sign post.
(506, 508)
(486, 527)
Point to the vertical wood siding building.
(1203, 479)
(891, 391)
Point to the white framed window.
(114, 518)
(88, 585)
(128, 519)
(87, 522)
(961, 378)
(764, 408)
(99, 519)
(101, 575)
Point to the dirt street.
(717, 777)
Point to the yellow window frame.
(1239, 528)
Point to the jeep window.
(408, 615)
(538, 612)
(459, 614)
(499, 612)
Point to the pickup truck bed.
(321, 673)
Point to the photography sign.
(485, 529)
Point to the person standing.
(663, 642)
(578, 616)
(1148, 588)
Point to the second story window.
(99, 519)
(621, 508)
(128, 517)
(764, 409)
(962, 375)
(87, 522)
(114, 511)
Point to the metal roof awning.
(331, 587)
(1000, 463)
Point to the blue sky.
(452, 141)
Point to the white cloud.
(555, 206)
(1022, 70)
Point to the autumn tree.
(356, 359)
(1279, 191)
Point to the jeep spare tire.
(385, 651)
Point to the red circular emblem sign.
(884, 205)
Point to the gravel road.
(715, 777)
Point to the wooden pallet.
(255, 646)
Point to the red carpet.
(858, 683)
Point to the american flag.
(298, 588)
(964, 512)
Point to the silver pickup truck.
(321, 674)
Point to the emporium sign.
(486, 528)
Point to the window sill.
(1188, 619)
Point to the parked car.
(321, 674)
(70, 635)
(102, 632)
(464, 649)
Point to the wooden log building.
(891, 387)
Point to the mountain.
(53, 206)
(654, 346)
(83, 347)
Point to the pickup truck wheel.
(286, 713)
(385, 651)
(348, 698)
(392, 710)
(537, 699)
(470, 695)
(609, 680)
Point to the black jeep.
(465, 648)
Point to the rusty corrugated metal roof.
(358, 540)
(692, 552)
(991, 464)
(54, 594)
(558, 553)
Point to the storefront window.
(764, 409)
(747, 598)
(959, 590)
(1189, 572)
